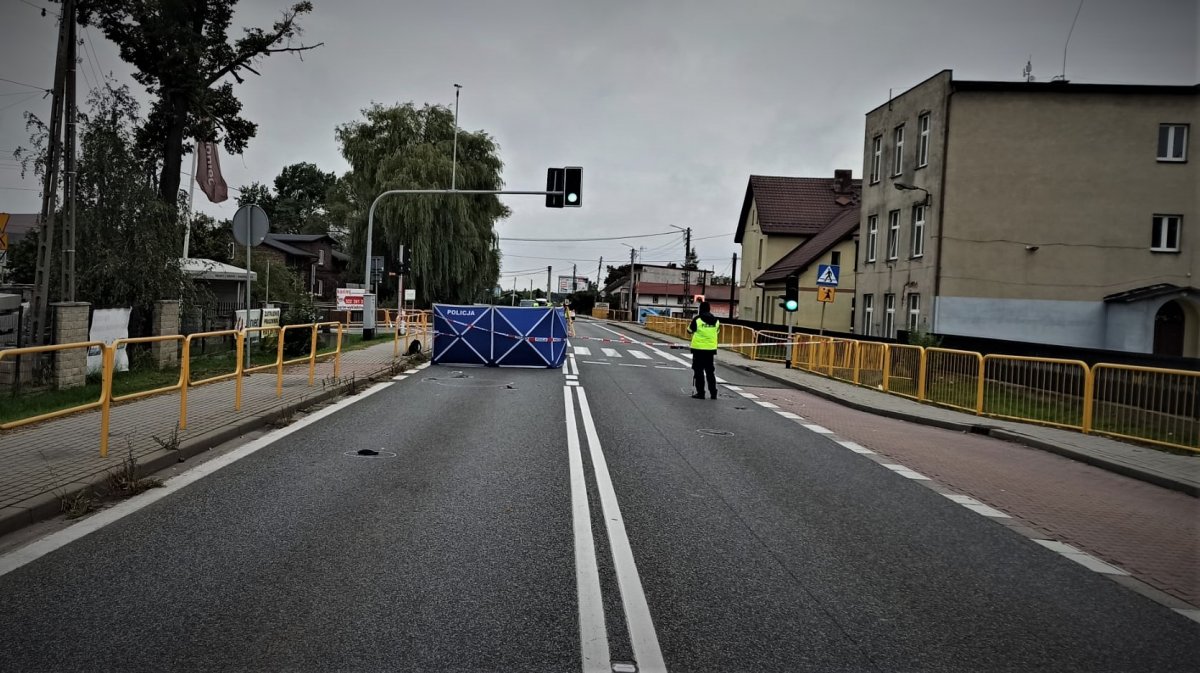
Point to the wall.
(837, 313)
(1069, 323)
(906, 274)
(773, 249)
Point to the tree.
(454, 246)
(182, 53)
(298, 204)
(693, 260)
(210, 239)
(615, 273)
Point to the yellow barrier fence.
(1159, 406)
(905, 371)
(870, 363)
(1044, 390)
(186, 363)
(55, 348)
(954, 378)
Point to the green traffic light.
(572, 197)
(792, 305)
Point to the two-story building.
(1047, 212)
(670, 290)
(788, 226)
(314, 259)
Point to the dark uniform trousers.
(704, 368)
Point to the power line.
(31, 86)
(23, 100)
(602, 238)
(22, 189)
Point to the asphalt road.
(722, 537)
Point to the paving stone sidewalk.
(1179, 472)
(62, 455)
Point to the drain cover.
(369, 453)
(715, 433)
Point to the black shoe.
(698, 396)
(714, 396)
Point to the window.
(320, 287)
(868, 313)
(835, 258)
(918, 231)
(889, 317)
(1165, 235)
(914, 312)
(923, 143)
(653, 299)
(876, 157)
(898, 150)
(893, 239)
(760, 243)
(872, 236)
(321, 257)
(1172, 142)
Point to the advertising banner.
(350, 299)
(108, 325)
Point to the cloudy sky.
(669, 105)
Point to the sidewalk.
(1173, 471)
(44, 461)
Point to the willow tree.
(455, 254)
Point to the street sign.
(350, 299)
(410, 295)
(825, 294)
(250, 225)
(3, 239)
(827, 276)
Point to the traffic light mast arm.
(371, 212)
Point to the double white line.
(593, 635)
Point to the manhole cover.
(715, 433)
(369, 453)
(466, 382)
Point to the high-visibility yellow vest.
(705, 337)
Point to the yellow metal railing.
(1159, 406)
(954, 378)
(1043, 390)
(34, 350)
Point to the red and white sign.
(350, 299)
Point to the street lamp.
(905, 187)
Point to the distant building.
(790, 226)
(662, 290)
(313, 258)
(1056, 213)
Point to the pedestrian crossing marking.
(611, 352)
(639, 355)
(582, 350)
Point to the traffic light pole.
(369, 312)
(787, 364)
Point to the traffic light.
(405, 259)
(791, 293)
(554, 183)
(573, 186)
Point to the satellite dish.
(250, 225)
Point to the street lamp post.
(905, 187)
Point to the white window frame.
(760, 247)
(898, 149)
(321, 257)
(893, 237)
(923, 124)
(320, 287)
(1160, 227)
(917, 247)
(653, 299)
(889, 316)
(876, 157)
(914, 312)
(868, 313)
(872, 236)
(1173, 130)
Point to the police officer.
(704, 329)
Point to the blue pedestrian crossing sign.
(827, 275)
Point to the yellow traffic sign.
(825, 294)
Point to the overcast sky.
(668, 105)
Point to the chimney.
(842, 181)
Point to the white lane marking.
(735, 389)
(666, 356)
(1082, 558)
(766, 405)
(1191, 614)
(788, 414)
(423, 365)
(720, 380)
(596, 362)
(572, 377)
(670, 367)
(637, 612)
(17, 558)
(639, 355)
(652, 349)
(857, 448)
(593, 636)
(1052, 545)
(686, 355)
(905, 472)
(820, 429)
(983, 509)
(572, 383)
(749, 396)
(583, 350)
(611, 352)
(631, 365)
(400, 377)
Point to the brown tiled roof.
(710, 292)
(796, 206)
(803, 255)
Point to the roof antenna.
(1027, 73)
(1063, 76)
(889, 99)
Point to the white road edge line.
(400, 377)
(637, 613)
(593, 635)
(32, 552)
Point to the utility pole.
(548, 295)
(632, 253)
(573, 279)
(70, 175)
(514, 297)
(733, 289)
(46, 219)
(599, 265)
(687, 273)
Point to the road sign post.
(250, 226)
(827, 282)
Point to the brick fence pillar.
(70, 320)
(165, 354)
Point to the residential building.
(1049, 212)
(664, 290)
(313, 258)
(788, 226)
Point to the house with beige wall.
(779, 216)
(1052, 212)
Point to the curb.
(48, 505)
(1117, 467)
